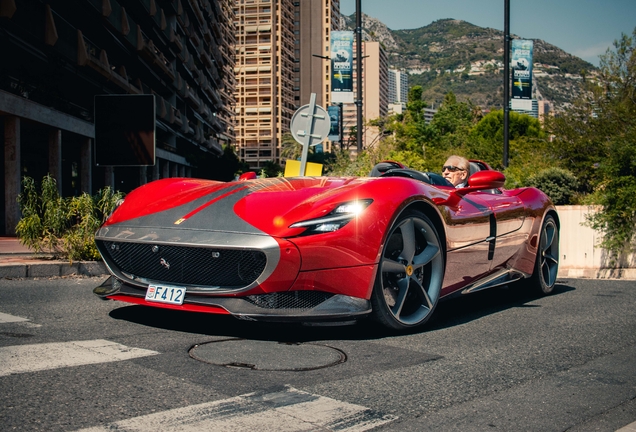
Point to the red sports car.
(327, 249)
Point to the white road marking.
(289, 410)
(6, 318)
(31, 358)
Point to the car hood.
(259, 207)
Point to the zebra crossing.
(286, 409)
(32, 358)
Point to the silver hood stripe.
(231, 232)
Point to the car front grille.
(184, 265)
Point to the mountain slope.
(454, 55)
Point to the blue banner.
(521, 60)
(334, 116)
(342, 66)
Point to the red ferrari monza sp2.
(326, 249)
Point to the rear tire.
(546, 265)
(410, 273)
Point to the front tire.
(546, 265)
(410, 273)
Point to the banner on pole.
(342, 66)
(334, 117)
(521, 60)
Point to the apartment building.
(227, 113)
(315, 20)
(398, 87)
(375, 93)
(57, 55)
(282, 50)
(264, 72)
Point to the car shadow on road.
(450, 312)
(227, 326)
(463, 309)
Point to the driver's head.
(456, 170)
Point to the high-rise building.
(525, 106)
(264, 72)
(56, 56)
(398, 87)
(375, 91)
(314, 20)
(227, 112)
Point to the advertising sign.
(334, 117)
(342, 66)
(521, 60)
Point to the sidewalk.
(18, 261)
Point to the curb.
(595, 273)
(52, 269)
(31, 268)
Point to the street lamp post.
(359, 72)
(340, 125)
(506, 101)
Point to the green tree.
(449, 131)
(271, 169)
(290, 148)
(410, 129)
(559, 184)
(596, 140)
(452, 117)
(529, 151)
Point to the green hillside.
(454, 55)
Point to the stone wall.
(580, 255)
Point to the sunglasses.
(452, 168)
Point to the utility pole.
(359, 72)
(506, 102)
(340, 125)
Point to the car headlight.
(335, 220)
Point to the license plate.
(165, 294)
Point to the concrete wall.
(580, 255)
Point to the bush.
(63, 226)
(559, 184)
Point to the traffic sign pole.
(310, 123)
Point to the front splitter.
(338, 308)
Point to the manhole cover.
(267, 355)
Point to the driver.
(456, 170)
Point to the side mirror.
(486, 179)
(481, 180)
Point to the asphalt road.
(503, 359)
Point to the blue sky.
(585, 28)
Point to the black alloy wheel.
(410, 273)
(547, 263)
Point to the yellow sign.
(292, 169)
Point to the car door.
(470, 221)
(508, 233)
